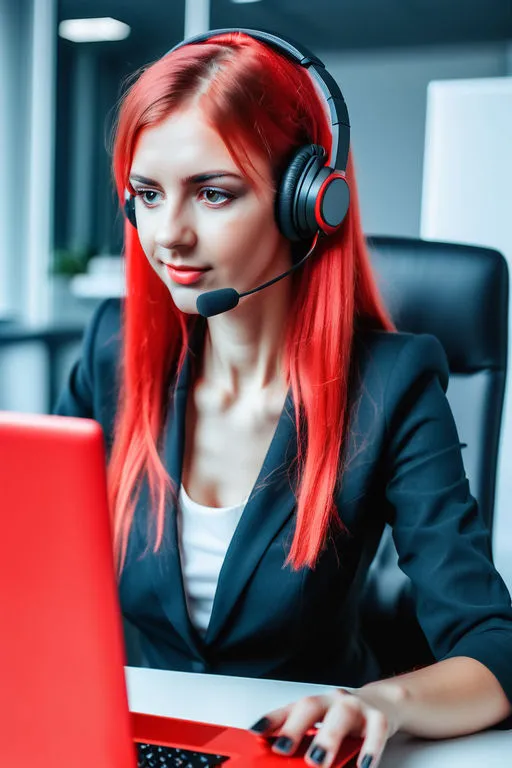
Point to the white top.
(204, 535)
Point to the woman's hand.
(341, 714)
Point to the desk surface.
(240, 701)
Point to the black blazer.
(404, 467)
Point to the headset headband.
(340, 126)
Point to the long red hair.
(259, 101)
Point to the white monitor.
(467, 198)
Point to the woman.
(255, 457)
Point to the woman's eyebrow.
(198, 178)
(142, 179)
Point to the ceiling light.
(93, 30)
(245, 1)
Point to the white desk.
(240, 701)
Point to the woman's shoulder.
(102, 336)
(106, 318)
(101, 348)
(398, 358)
(91, 386)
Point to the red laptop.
(63, 701)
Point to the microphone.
(222, 300)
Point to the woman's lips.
(185, 276)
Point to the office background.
(60, 229)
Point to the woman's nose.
(175, 227)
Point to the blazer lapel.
(270, 505)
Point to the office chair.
(458, 293)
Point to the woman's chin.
(187, 307)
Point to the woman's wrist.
(449, 698)
(390, 697)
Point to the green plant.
(69, 262)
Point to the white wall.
(386, 94)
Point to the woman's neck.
(244, 347)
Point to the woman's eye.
(148, 196)
(215, 196)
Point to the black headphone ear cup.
(289, 187)
(332, 202)
(129, 210)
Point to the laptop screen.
(63, 689)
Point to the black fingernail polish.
(317, 755)
(367, 761)
(283, 744)
(261, 725)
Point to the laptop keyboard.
(156, 756)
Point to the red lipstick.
(184, 276)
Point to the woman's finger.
(300, 717)
(375, 739)
(270, 722)
(345, 716)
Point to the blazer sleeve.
(442, 541)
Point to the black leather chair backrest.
(458, 293)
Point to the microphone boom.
(222, 300)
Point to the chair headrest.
(457, 292)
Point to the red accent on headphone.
(327, 228)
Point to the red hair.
(259, 102)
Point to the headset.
(313, 195)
